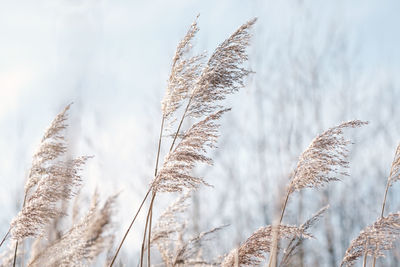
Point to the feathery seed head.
(253, 251)
(223, 73)
(175, 174)
(60, 182)
(184, 73)
(324, 158)
(374, 239)
(395, 169)
(52, 146)
(84, 241)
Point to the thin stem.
(384, 198)
(365, 260)
(272, 256)
(284, 206)
(383, 206)
(15, 253)
(384, 202)
(5, 237)
(365, 254)
(16, 244)
(147, 194)
(154, 194)
(130, 226)
(183, 117)
(144, 238)
(150, 221)
(159, 146)
(150, 212)
(145, 229)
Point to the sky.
(112, 59)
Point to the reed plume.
(185, 71)
(223, 73)
(324, 159)
(374, 239)
(52, 147)
(51, 179)
(60, 182)
(253, 251)
(84, 241)
(395, 168)
(175, 174)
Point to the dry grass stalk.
(325, 158)
(253, 251)
(295, 242)
(374, 239)
(84, 241)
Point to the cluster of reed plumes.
(191, 109)
(53, 180)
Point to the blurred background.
(316, 64)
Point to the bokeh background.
(316, 64)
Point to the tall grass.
(196, 94)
